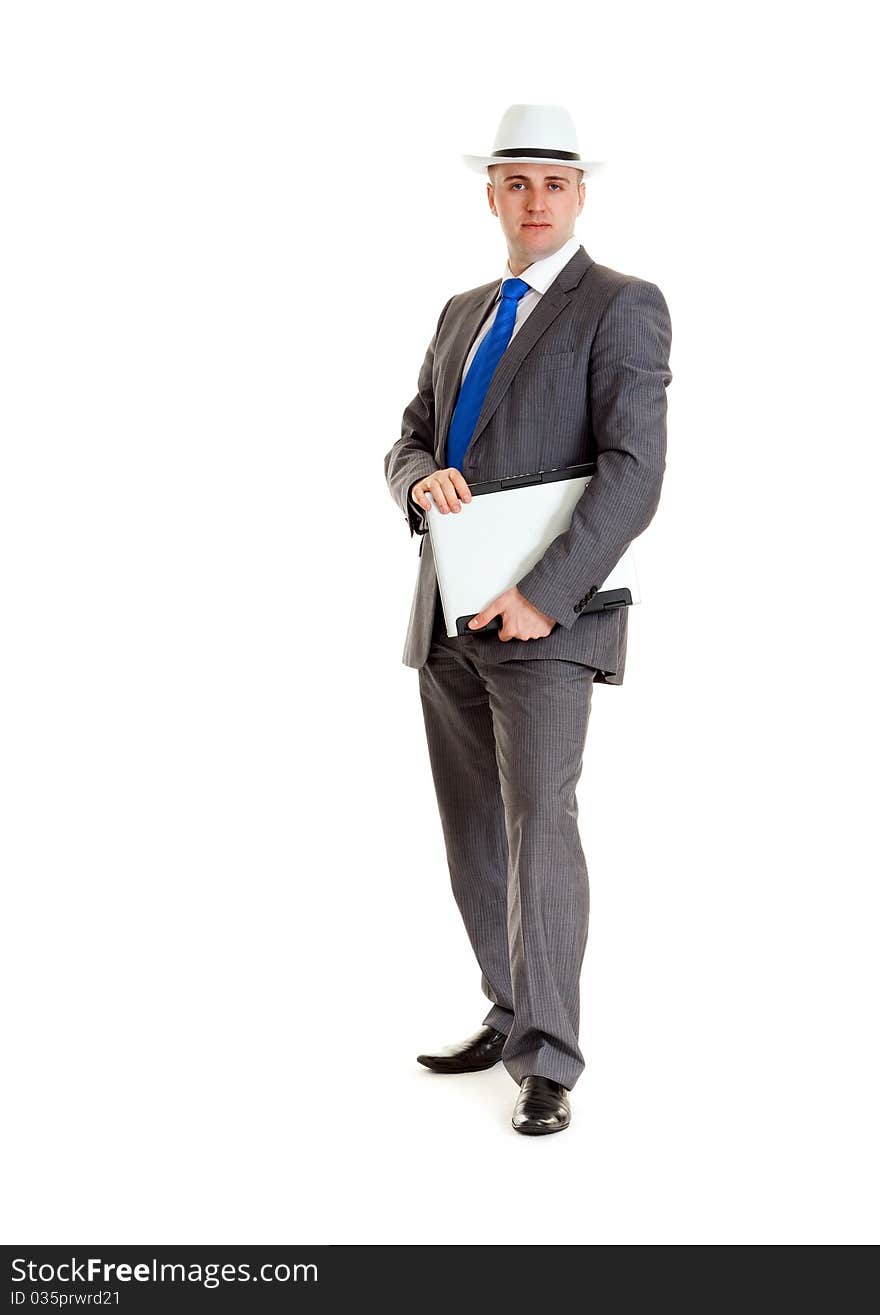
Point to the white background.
(228, 232)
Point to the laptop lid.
(495, 539)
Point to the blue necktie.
(479, 376)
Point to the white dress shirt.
(539, 276)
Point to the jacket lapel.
(458, 354)
(554, 300)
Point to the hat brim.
(479, 163)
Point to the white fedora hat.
(534, 134)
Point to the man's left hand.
(520, 619)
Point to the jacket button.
(577, 607)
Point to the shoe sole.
(441, 1068)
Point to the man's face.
(537, 205)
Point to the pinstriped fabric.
(584, 379)
(506, 744)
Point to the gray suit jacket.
(584, 379)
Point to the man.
(561, 362)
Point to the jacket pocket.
(543, 361)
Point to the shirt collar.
(541, 273)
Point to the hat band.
(516, 152)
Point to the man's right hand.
(447, 487)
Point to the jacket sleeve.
(412, 456)
(628, 376)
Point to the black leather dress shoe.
(542, 1106)
(480, 1051)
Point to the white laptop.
(499, 536)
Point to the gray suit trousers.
(506, 743)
